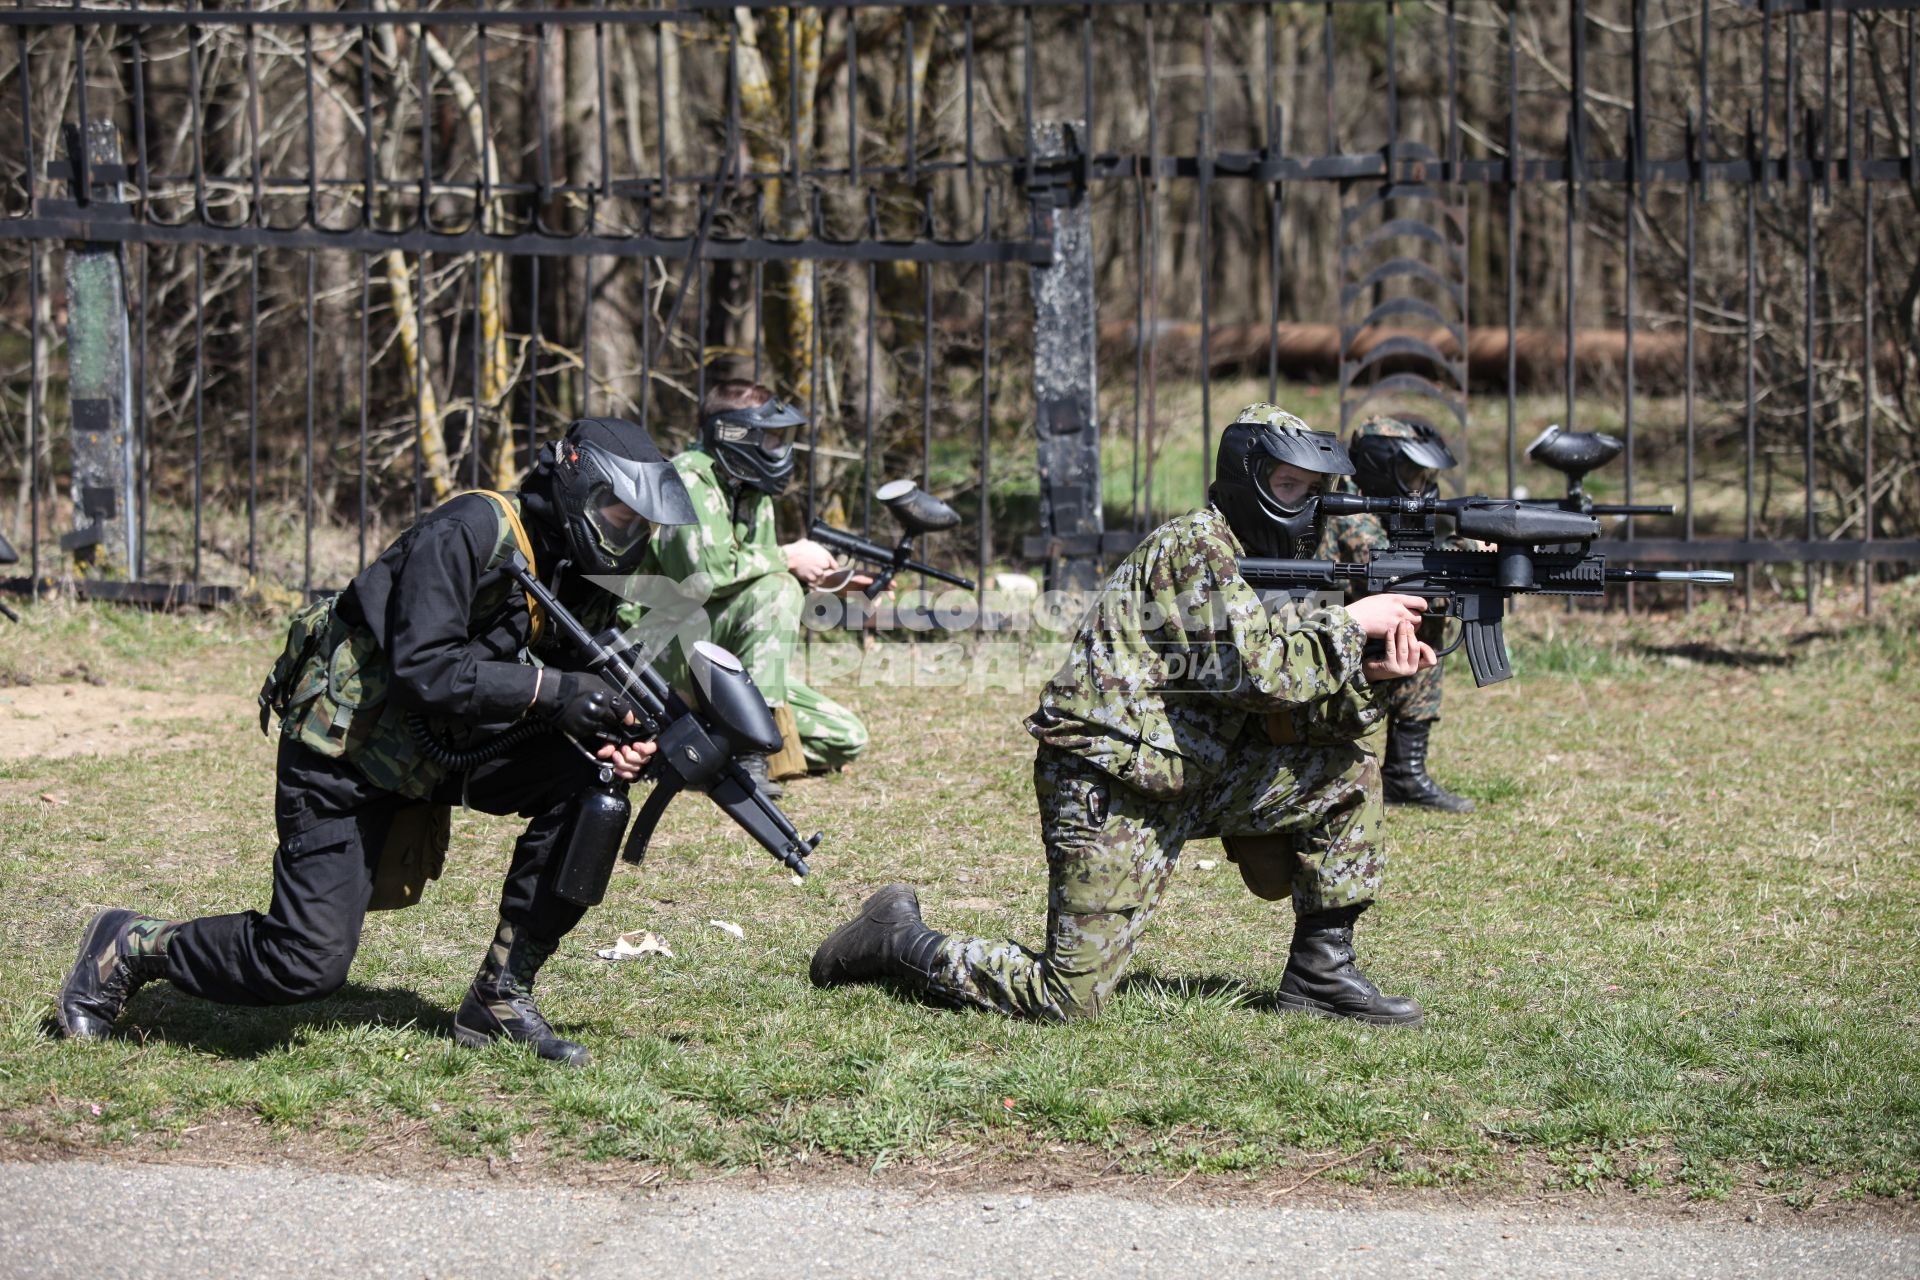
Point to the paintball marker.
(918, 512)
(8, 556)
(1573, 454)
(1528, 558)
(698, 750)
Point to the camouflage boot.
(886, 942)
(1404, 771)
(499, 1004)
(120, 952)
(1322, 977)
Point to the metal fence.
(277, 279)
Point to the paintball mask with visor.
(1260, 440)
(754, 446)
(611, 486)
(1399, 458)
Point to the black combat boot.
(120, 952)
(1322, 977)
(499, 1004)
(756, 768)
(886, 942)
(1404, 771)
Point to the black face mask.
(610, 486)
(754, 447)
(1397, 467)
(1248, 452)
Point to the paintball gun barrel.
(918, 512)
(698, 749)
(1529, 557)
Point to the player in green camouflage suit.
(1187, 710)
(1397, 457)
(755, 586)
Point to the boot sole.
(1294, 1004)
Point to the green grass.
(1672, 954)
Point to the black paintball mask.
(1399, 458)
(754, 447)
(610, 487)
(1261, 439)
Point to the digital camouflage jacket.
(1178, 654)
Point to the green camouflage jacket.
(1178, 653)
(730, 551)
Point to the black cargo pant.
(332, 825)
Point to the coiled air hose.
(460, 761)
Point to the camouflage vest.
(329, 686)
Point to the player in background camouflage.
(756, 586)
(434, 635)
(1187, 710)
(1397, 457)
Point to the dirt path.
(51, 721)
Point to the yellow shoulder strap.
(536, 616)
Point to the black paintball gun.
(8, 556)
(1573, 454)
(1530, 556)
(698, 750)
(918, 512)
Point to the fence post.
(1066, 412)
(99, 365)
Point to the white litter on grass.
(799, 882)
(632, 946)
(728, 926)
(1205, 864)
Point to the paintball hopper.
(917, 510)
(729, 695)
(1574, 453)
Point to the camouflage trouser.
(1414, 697)
(758, 624)
(1111, 851)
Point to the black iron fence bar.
(1867, 372)
(687, 12)
(42, 16)
(92, 226)
(1258, 166)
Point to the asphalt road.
(98, 1220)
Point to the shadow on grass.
(1713, 655)
(248, 1031)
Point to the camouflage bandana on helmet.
(1260, 437)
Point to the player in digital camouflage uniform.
(756, 586)
(1187, 710)
(431, 638)
(1392, 458)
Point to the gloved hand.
(582, 704)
